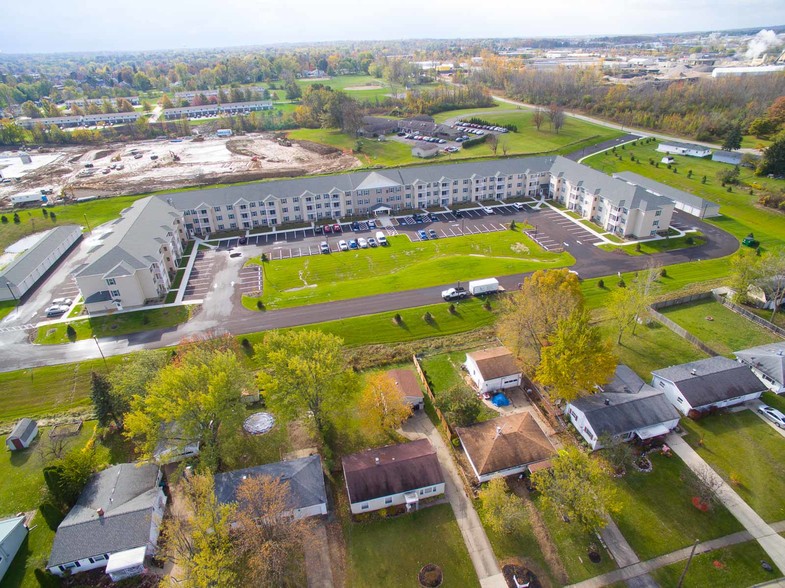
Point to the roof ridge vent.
(693, 372)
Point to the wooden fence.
(444, 427)
(749, 315)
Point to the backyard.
(391, 552)
(748, 454)
(741, 213)
(657, 515)
(719, 327)
(404, 265)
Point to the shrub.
(4, 219)
(487, 305)
(622, 283)
(451, 308)
(70, 332)
(703, 181)
(689, 240)
(512, 225)
(260, 305)
(397, 319)
(663, 273)
(601, 284)
(427, 317)
(638, 247)
(16, 218)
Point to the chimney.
(376, 459)
(498, 432)
(100, 511)
(693, 372)
(607, 402)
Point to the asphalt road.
(222, 308)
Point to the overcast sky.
(43, 26)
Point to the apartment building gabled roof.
(133, 240)
(664, 190)
(23, 265)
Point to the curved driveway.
(591, 262)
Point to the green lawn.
(391, 552)
(726, 333)
(658, 246)
(741, 215)
(33, 220)
(743, 446)
(774, 400)
(653, 346)
(372, 152)
(404, 265)
(114, 325)
(21, 491)
(573, 543)
(730, 567)
(6, 307)
(657, 514)
(355, 86)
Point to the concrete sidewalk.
(480, 550)
(772, 543)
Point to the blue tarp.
(500, 400)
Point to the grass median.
(405, 265)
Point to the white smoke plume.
(762, 42)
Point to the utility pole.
(687, 567)
(87, 222)
(101, 352)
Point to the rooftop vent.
(693, 372)
(100, 511)
(376, 459)
(607, 402)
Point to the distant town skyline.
(89, 25)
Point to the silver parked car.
(773, 415)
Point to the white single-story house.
(627, 408)
(12, 533)
(683, 149)
(493, 369)
(408, 387)
(768, 363)
(115, 523)
(425, 150)
(393, 475)
(504, 446)
(707, 384)
(769, 293)
(732, 157)
(22, 435)
(304, 479)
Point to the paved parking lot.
(201, 279)
(554, 232)
(249, 280)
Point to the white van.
(381, 238)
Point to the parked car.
(773, 415)
(454, 294)
(62, 302)
(324, 247)
(518, 205)
(317, 230)
(422, 235)
(242, 241)
(457, 214)
(362, 243)
(56, 310)
(355, 226)
(328, 229)
(381, 238)
(342, 245)
(372, 242)
(487, 209)
(235, 254)
(337, 228)
(432, 234)
(371, 224)
(353, 244)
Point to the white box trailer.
(487, 286)
(28, 198)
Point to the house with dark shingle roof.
(626, 409)
(393, 475)
(303, 477)
(493, 369)
(118, 512)
(768, 363)
(707, 384)
(22, 435)
(504, 446)
(408, 386)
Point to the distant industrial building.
(721, 72)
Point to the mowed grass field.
(720, 328)
(32, 220)
(740, 212)
(404, 265)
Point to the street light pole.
(101, 352)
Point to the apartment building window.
(229, 206)
(658, 213)
(115, 293)
(253, 205)
(655, 223)
(243, 207)
(231, 216)
(111, 281)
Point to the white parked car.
(62, 301)
(362, 243)
(518, 205)
(56, 310)
(343, 245)
(487, 210)
(773, 415)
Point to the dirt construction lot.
(148, 166)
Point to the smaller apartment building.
(136, 261)
(620, 207)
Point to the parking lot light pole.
(101, 352)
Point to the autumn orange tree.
(382, 407)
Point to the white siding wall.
(675, 397)
(10, 546)
(395, 499)
(579, 421)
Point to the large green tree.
(577, 359)
(733, 139)
(503, 513)
(627, 305)
(131, 379)
(305, 373)
(579, 487)
(773, 160)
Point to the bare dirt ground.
(177, 164)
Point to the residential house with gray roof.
(303, 477)
(707, 384)
(767, 362)
(137, 258)
(119, 511)
(626, 409)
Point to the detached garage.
(23, 435)
(19, 276)
(493, 369)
